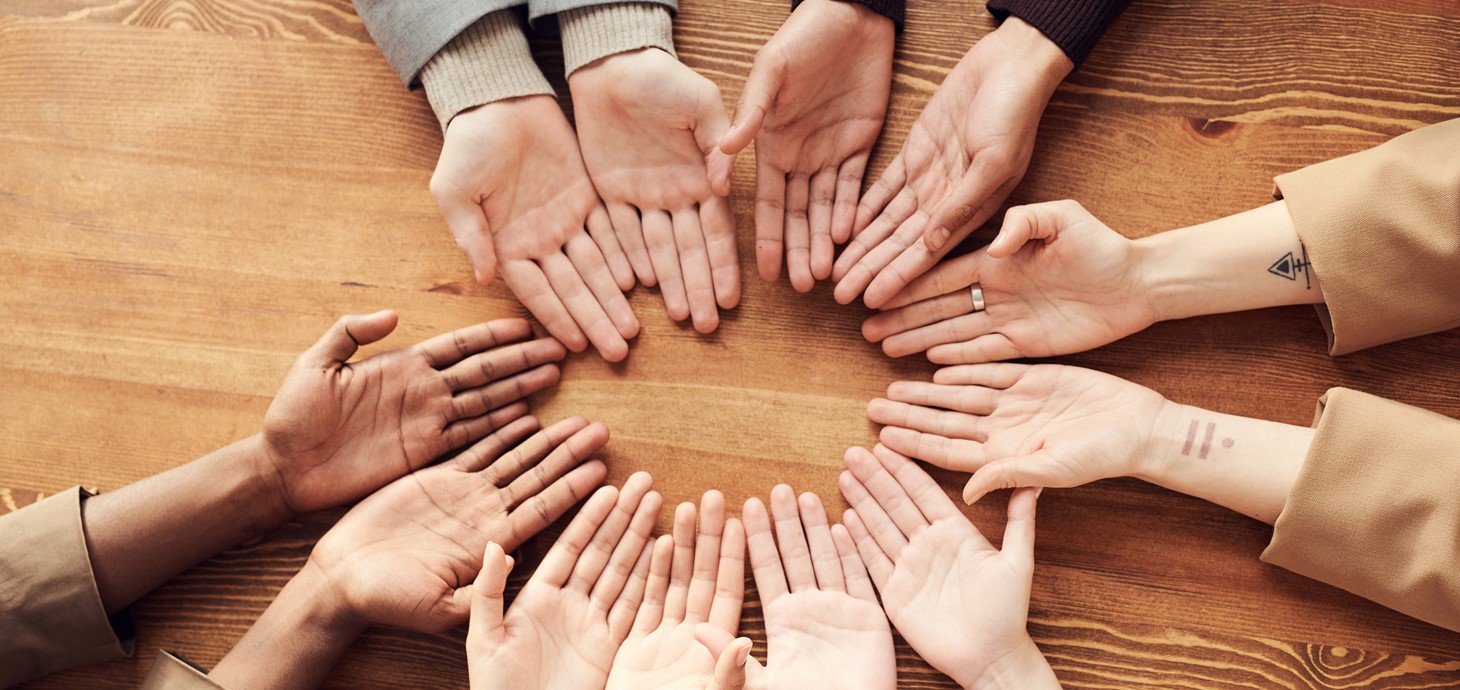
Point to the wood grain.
(191, 191)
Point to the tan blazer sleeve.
(1376, 507)
(1382, 230)
(50, 610)
(172, 672)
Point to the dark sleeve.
(892, 9)
(1074, 25)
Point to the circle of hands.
(639, 194)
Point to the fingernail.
(742, 655)
(940, 237)
(1037, 492)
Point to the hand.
(705, 585)
(406, 554)
(962, 604)
(824, 628)
(338, 431)
(1018, 425)
(1055, 281)
(512, 186)
(646, 123)
(967, 150)
(567, 623)
(814, 104)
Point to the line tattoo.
(1206, 441)
(1290, 265)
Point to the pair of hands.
(572, 220)
(815, 102)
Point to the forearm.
(296, 642)
(1247, 465)
(1250, 260)
(1023, 669)
(141, 535)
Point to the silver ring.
(977, 293)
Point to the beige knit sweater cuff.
(591, 33)
(489, 61)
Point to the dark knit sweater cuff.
(892, 9)
(1074, 25)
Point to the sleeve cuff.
(1074, 25)
(489, 61)
(1382, 228)
(172, 672)
(1373, 510)
(593, 33)
(896, 10)
(53, 614)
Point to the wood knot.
(1211, 129)
(447, 288)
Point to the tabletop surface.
(192, 191)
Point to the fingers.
(791, 539)
(534, 515)
(937, 422)
(890, 324)
(537, 474)
(445, 350)
(798, 232)
(1035, 222)
(955, 454)
(585, 256)
(468, 223)
(890, 495)
(606, 564)
(664, 254)
(624, 614)
(557, 565)
(489, 590)
(859, 584)
(964, 328)
(478, 401)
(1034, 470)
(684, 562)
(883, 530)
(694, 266)
(485, 451)
(975, 400)
(501, 362)
(818, 217)
(992, 347)
(887, 187)
(950, 276)
(344, 338)
(765, 560)
(977, 195)
(583, 307)
(770, 218)
(600, 228)
(1018, 545)
(848, 190)
(462, 433)
(701, 594)
(656, 591)
(997, 376)
(718, 221)
(761, 86)
(924, 493)
(730, 579)
(825, 560)
(877, 247)
(879, 566)
(730, 667)
(532, 288)
(626, 224)
(914, 260)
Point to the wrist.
(312, 604)
(1034, 53)
(1023, 668)
(262, 488)
(596, 32)
(1168, 434)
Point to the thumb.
(755, 101)
(344, 338)
(1034, 222)
(710, 127)
(967, 205)
(1035, 470)
(1019, 530)
(468, 223)
(730, 668)
(489, 590)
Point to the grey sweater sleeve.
(411, 32)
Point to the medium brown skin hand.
(338, 430)
(512, 186)
(963, 156)
(814, 104)
(407, 554)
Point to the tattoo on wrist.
(1206, 439)
(1290, 265)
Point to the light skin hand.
(646, 123)
(695, 579)
(814, 104)
(338, 430)
(962, 604)
(963, 156)
(1055, 280)
(406, 555)
(824, 627)
(566, 625)
(1018, 425)
(512, 186)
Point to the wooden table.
(190, 192)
